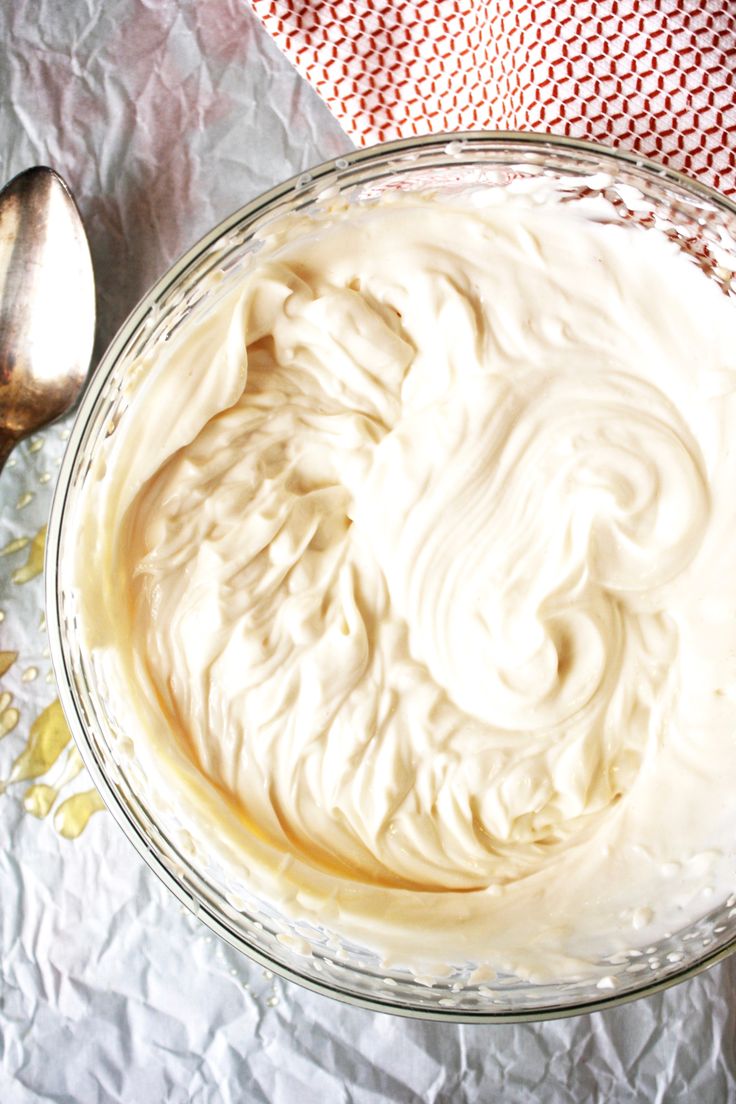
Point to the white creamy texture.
(416, 579)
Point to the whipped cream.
(414, 551)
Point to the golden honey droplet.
(2, 615)
(36, 444)
(72, 816)
(49, 676)
(38, 799)
(14, 546)
(8, 720)
(42, 622)
(24, 500)
(7, 659)
(29, 674)
(5, 700)
(45, 477)
(34, 564)
(47, 739)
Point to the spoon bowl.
(47, 304)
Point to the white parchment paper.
(164, 116)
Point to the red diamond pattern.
(655, 76)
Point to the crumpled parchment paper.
(164, 117)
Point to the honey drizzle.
(7, 659)
(9, 717)
(40, 797)
(14, 546)
(49, 734)
(34, 564)
(47, 739)
(72, 816)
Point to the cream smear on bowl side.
(415, 595)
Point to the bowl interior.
(639, 193)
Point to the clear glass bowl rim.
(340, 168)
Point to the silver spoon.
(47, 304)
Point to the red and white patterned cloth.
(656, 76)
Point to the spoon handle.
(7, 444)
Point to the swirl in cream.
(419, 585)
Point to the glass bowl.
(639, 192)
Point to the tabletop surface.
(164, 117)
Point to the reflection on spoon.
(47, 304)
